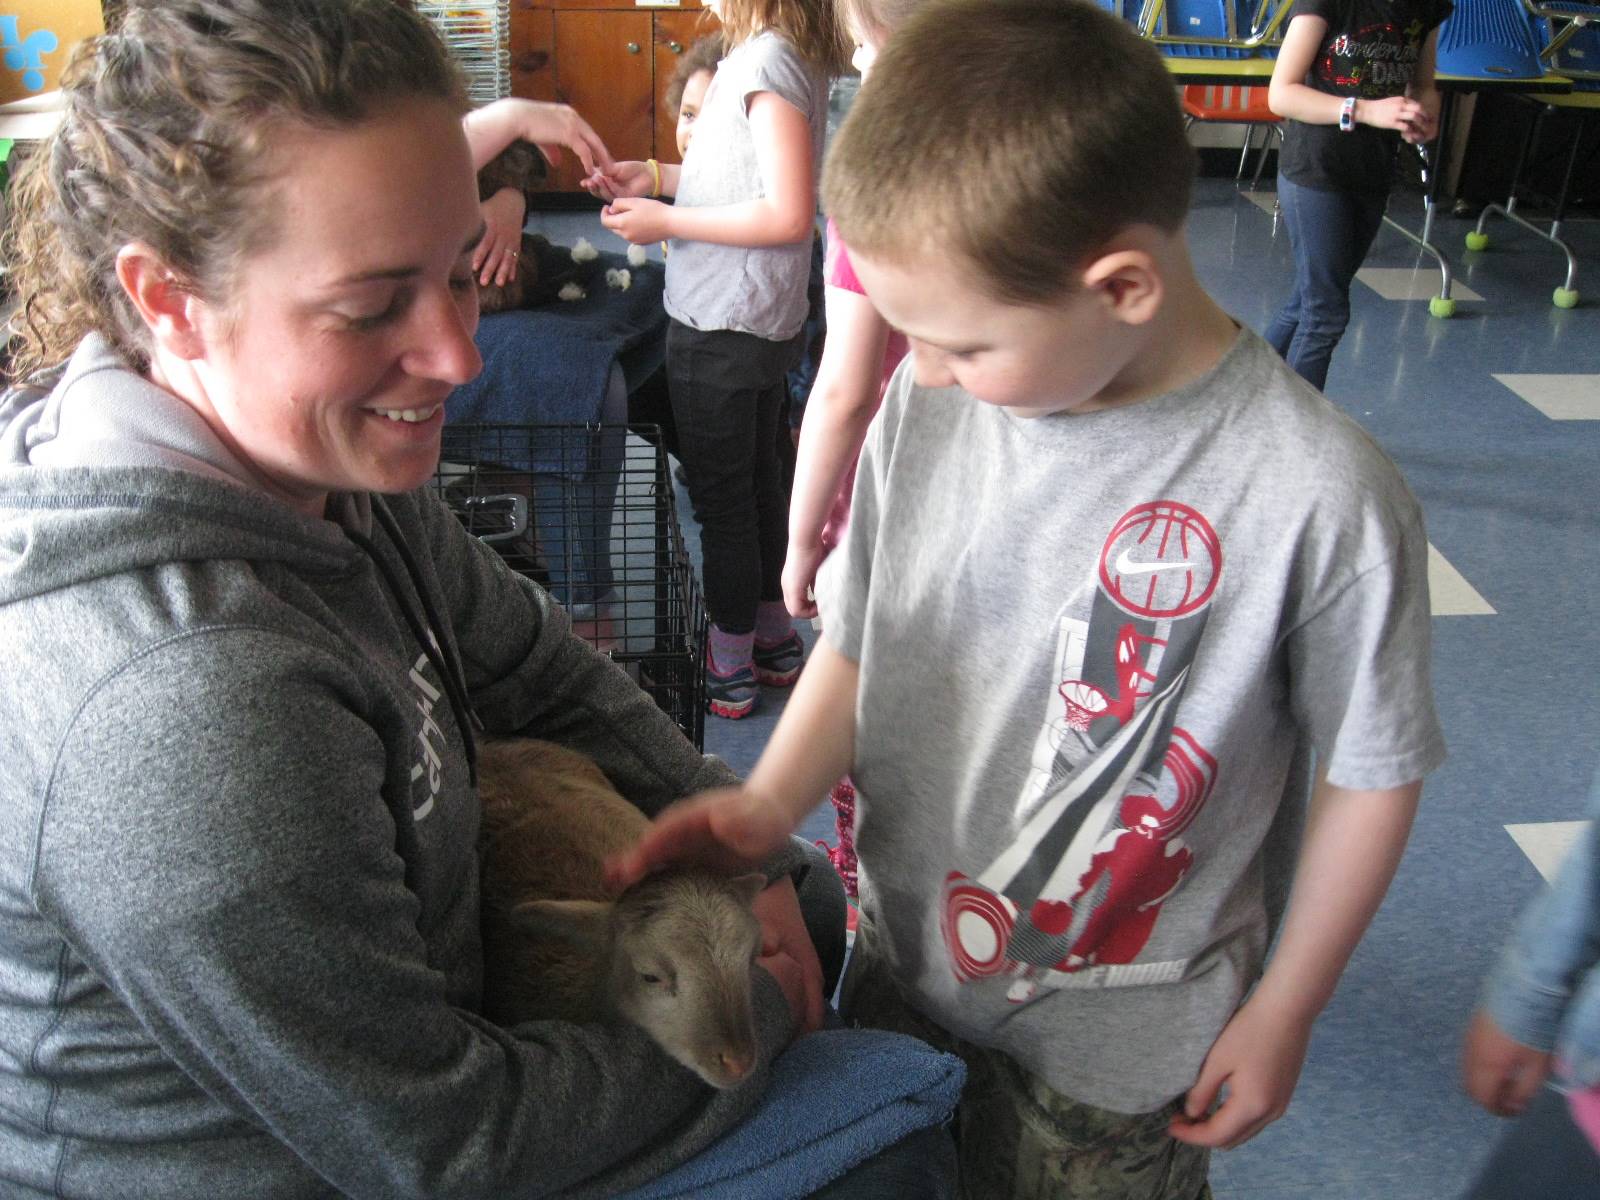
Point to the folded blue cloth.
(550, 364)
(836, 1098)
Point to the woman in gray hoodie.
(246, 652)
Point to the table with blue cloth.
(571, 362)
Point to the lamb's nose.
(735, 1065)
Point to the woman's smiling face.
(329, 367)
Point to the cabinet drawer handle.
(676, 47)
(633, 47)
(533, 60)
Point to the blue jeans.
(1544, 1154)
(1330, 233)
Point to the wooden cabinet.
(611, 60)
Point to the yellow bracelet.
(655, 176)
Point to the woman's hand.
(788, 954)
(1258, 1055)
(1498, 1071)
(494, 258)
(638, 220)
(550, 127)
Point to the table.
(1258, 71)
(1583, 103)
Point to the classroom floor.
(1494, 417)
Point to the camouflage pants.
(1019, 1140)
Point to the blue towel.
(550, 364)
(836, 1098)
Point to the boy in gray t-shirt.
(1115, 578)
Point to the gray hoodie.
(239, 950)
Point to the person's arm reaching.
(783, 214)
(730, 828)
(1352, 846)
(838, 412)
(496, 125)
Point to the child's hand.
(1395, 112)
(1258, 1055)
(728, 830)
(494, 258)
(799, 573)
(628, 178)
(637, 220)
(1498, 1071)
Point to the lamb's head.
(681, 946)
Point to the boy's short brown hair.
(1020, 134)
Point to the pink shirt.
(837, 272)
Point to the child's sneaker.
(732, 695)
(778, 665)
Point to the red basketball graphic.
(977, 926)
(1161, 560)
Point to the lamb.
(672, 954)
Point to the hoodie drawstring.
(438, 648)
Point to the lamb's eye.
(649, 978)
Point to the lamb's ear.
(748, 887)
(582, 922)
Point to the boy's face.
(1030, 358)
(694, 97)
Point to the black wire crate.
(588, 512)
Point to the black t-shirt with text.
(1369, 51)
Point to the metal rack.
(478, 36)
(589, 513)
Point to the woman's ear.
(1129, 283)
(171, 311)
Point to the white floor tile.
(1546, 842)
(1450, 593)
(1559, 397)
(1412, 283)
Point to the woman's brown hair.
(167, 140)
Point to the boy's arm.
(731, 828)
(1352, 846)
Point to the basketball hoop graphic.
(1162, 560)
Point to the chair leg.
(1261, 162)
(1244, 154)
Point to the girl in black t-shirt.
(1351, 75)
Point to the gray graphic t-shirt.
(1097, 654)
(760, 290)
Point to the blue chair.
(1489, 39)
(1571, 48)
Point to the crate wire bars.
(477, 35)
(589, 513)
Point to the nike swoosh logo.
(1127, 566)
